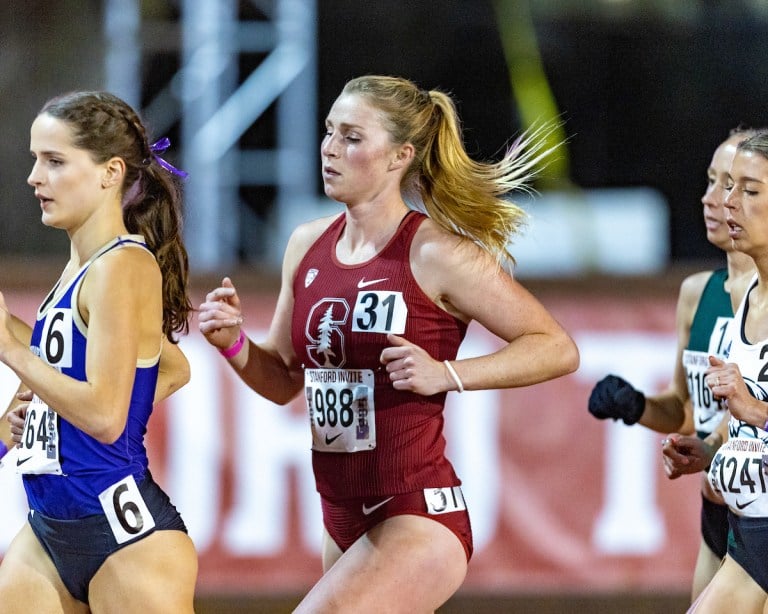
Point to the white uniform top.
(738, 470)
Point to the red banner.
(558, 500)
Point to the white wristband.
(454, 376)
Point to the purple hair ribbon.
(159, 147)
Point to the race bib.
(127, 513)
(379, 312)
(720, 338)
(738, 473)
(56, 338)
(341, 409)
(444, 500)
(39, 451)
(707, 410)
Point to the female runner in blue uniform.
(101, 535)
(373, 306)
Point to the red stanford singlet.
(369, 439)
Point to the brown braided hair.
(106, 126)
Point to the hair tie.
(159, 147)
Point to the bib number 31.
(128, 515)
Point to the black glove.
(614, 397)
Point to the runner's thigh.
(29, 581)
(155, 575)
(407, 564)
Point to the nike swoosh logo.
(21, 461)
(364, 284)
(742, 506)
(369, 510)
(704, 420)
(330, 440)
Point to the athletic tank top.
(60, 338)
(713, 314)
(737, 471)
(368, 438)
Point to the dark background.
(647, 88)
(646, 97)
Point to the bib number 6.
(128, 515)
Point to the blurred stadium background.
(570, 515)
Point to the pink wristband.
(235, 347)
